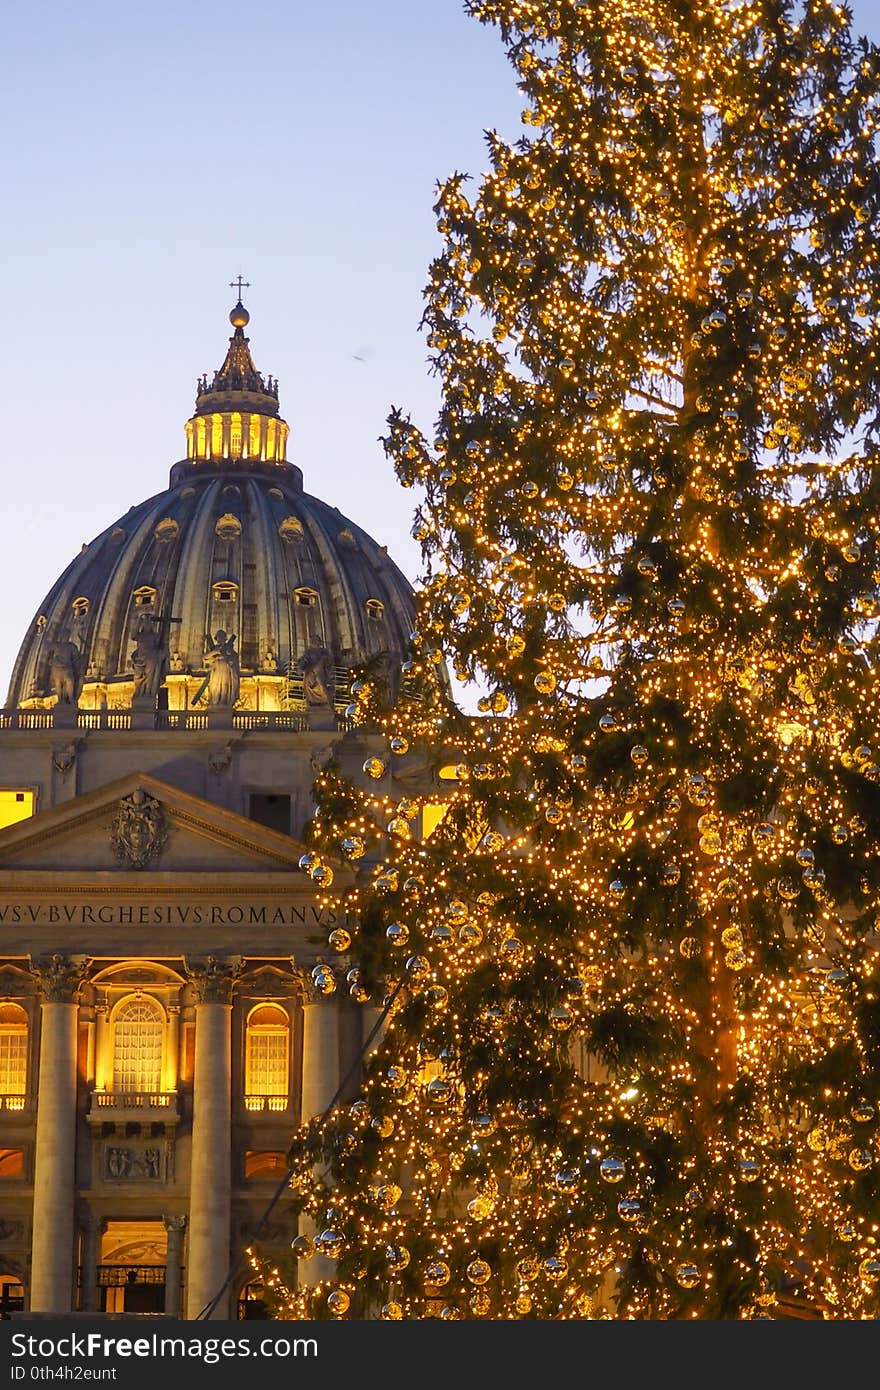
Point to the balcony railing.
(120, 1276)
(133, 1100)
(270, 721)
(14, 1102)
(277, 1103)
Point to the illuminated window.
(375, 609)
(235, 435)
(201, 439)
(13, 1055)
(15, 804)
(267, 1053)
(226, 592)
(432, 815)
(138, 1032)
(264, 1163)
(81, 606)
(11, 1163)
(254, 430)
(306, 598)
(271, 435)
(41, 622)
(144, 596)
(291, 529)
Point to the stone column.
(103, 1049)
(320, 1071)
(370, 1016)
(211, 1163)
(54, 1180)
(92, 1227)
(172, 1049)
(175, 1226)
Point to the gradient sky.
(151, 154)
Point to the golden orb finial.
(239, 316)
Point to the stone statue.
(319, 675)
(385, 676)
(65, 672)
(149, 659)
(223, 680)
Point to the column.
(172, 1049)
(370, 1016)
(54, 1180)
(103, 1050)
(175, 1226)
(211, 1164)
(92, 1227)
(320, 1071)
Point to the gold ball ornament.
(479, 1271)
(338, 1303)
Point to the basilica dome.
(234, 545)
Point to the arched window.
(305, 597)
(138, 1032)
(13, 1055)
(267, 1058)
(375, 609)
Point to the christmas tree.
(631, 1066)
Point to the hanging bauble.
(397, 934)
(399, 745)
(456, 912)
(303, 1247)
(353, 847)
(323, 979)
(418, 967)
(441, 934)
(638, 755)
(338, 1303)
(391, 1312)
(690, 947)
(860, 1160)
(670, 875)
(339, 939)
(528, 1269)
(396, 1258)
(555, 1268)
(374, 767)
(749, 1169)
(862, 1111)
(437, 1274)
(687, 1275)
(479, 1271)
(331, 1243)
(322, 875)
(383, 1125)
(612, 1170)
(629, 1209)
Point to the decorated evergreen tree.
(632, 1063)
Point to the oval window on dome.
(81, 606)
(167, 530)
(305, 597)
(225, 591)
(228, 527)
(231, 490)
(291, 529)
(276, 493)
(346, 537)
(375, 609)
(187, 492)
(144, 596)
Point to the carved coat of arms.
(139, 830)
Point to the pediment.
(137, 824)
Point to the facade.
(162, 1021)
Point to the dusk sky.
(153, 153)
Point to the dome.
(234, 543)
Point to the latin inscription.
(165, 914)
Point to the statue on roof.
(223, 679)
(318, 673)
(65, 671)
(149, 658)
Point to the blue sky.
(152, 153)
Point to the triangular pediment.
(137, 824)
